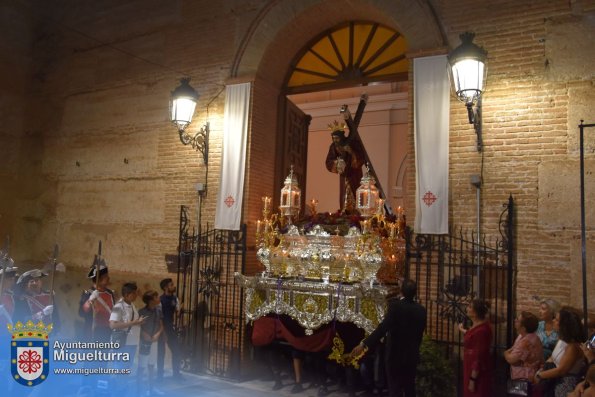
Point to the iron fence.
(211, 323)
(451, 270)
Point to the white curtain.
(431, 118)
(233, 162)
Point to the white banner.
(228, 214)
(431, 117)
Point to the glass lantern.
(468, 69)
(183, 103)
(367, 196)
(291, 196)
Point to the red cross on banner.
(229, 201)
(429, 198)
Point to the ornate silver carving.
(302, 301)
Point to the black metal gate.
(451, 270)
(211, 323)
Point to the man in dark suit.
(403, 327)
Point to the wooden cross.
(353, 124)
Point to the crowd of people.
(551, 356)
(106, 320)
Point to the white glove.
(48, 310)
(94, 295)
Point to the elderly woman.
(477, 360)
(526, 355)
(567, 356)
(545, 330)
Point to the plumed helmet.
(29, 275)
(93, 270)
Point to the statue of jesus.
(345, 157)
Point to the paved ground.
(207, 386)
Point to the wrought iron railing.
(453, 269)
(211, 323)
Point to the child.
(149, 334)
(124, 321)
(124, 315)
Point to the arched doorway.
(332, 70)
(279, 32)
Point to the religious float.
(323, 273)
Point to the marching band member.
(96, 304)
(34, 303)
(8, 277)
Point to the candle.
(267, 202)
(364, 225)
(258, 226)
(392, 229)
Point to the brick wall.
(94, 156)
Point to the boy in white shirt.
(125, 321)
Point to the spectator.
(567, 358)
(589, 352)
(526, 355)
(477, 360)
(150, 332)
(125, 318)
(545, 330)
(170, 306)
(590, 379)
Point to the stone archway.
(283, 27)
(272, 41)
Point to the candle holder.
(266, 207)
(367, 195)
(312, 204)
(291, 196)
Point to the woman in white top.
(567, 355)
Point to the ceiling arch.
(280, 28)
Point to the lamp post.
(582, 127)
(468, 74)
(182, 106)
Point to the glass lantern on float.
(291, 197)
(367, 195)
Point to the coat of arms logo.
(29, 352)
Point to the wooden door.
(292, 147)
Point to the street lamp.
(468, 74)
(183, 103)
